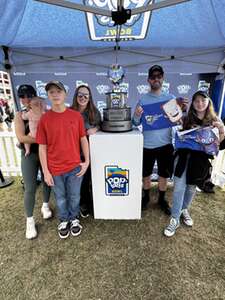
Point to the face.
(200, 104)
(36, 103)
(156, 80)
(25, 101)
(83, 97)
(56, 95)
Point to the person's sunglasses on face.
(25, 96)
(86, 96)
(157, 76)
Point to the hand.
(218, 124)
(91, 131)
(183, 103)
(48, 179)
(84, 167)
(138, 111)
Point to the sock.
(30, 219)
(45, 204)
(145, 195)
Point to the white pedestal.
(116, 167)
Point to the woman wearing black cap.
(30, 164)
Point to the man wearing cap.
(158, 142)
(60, 135)
(30, 164)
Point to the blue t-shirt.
(158, 137)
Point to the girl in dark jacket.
(192, 165)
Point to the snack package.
(172, 110)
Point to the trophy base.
(117, 114)
(116, 126)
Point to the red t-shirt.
(61, 132)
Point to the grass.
(113, 259)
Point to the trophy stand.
(116, 115)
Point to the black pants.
(86, 200)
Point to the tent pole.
(5, 181)
(222, 98)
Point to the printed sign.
(102, 27)
(116, 181)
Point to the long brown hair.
(192, 119)
(91, 108)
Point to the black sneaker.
(75, 227)
(84, 212)
(164, 206)
(63, 230)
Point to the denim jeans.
(183, 195)
(67, 194)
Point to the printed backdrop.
(136, 83)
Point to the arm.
(85, 150)
(136, 119)
(93, 130)
(43, 159)
(219, 124)
(20, 130)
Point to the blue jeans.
(67, 194)
(183, 195)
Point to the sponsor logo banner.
(116, 181)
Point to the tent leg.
(4, 182)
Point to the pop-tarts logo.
(116, 181)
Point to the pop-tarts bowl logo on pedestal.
(116, 181)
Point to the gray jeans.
(30, 165)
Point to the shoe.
(31, 232)
(63, 230)
(171, 228)
(84, 213)
(75, 227)
(164, 206)
(186, 218)
(46, 212)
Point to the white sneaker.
(46, 212)
(31, 231)
(171, 228)
(75, 227)
(186, 218)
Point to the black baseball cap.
(155, 68)
(56, 83)
(26, 90)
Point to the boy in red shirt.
(60, 134)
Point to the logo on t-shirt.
(116, 181)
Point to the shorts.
(164, 156)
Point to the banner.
(200, 139)
(161, 115)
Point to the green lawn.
(113, 259)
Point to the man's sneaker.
(164, 206)
(31, 231)
(171, 228)
(75, 227)
(63, 230)
(186, 218)
(46, 212)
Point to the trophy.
(116, 115)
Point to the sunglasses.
(26, 96)
(158, 76)
(80, 95)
